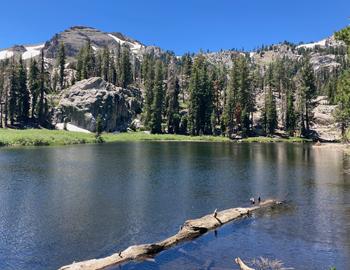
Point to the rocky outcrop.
(82, 103)
(323, 123)
(326, 54)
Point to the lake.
(65, 204)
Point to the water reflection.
(59, 205)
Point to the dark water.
(59, 205)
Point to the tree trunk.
(307, 120)
(190, 230)
(6, 110)
(1, 112)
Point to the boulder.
(83, 102)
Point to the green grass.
(40, 137)
(37, 137)
(274, 139)
(141, 136)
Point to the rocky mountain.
(76, 37)
(325, 54)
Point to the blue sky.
(178, 25)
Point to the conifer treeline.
(186, 95)
(24, 93)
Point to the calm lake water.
(65, 204)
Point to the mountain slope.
(76, 37)
(324, 54)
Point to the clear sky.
(178, 25)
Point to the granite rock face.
(76, 37)
(82, 103)
(324, 123)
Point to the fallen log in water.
(190, 230)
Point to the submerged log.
(190, 230)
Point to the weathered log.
(190, 230)
(242, 265)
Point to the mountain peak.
(81, 27)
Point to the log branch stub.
(242, 265)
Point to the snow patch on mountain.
(32, 51)
(134, 47)
(120, 41)
(6, 54)
(320, 43)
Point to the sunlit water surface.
(65, 204)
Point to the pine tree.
(125, 72)
(149, 76)
(61, 62)
(55, 80)
(42, 89)
(344, 35)
(2, 92)
(24, 95)
(186, 70)
(98, 63)
(342, 97)
(112, 72)
(173, 91)
(290, 114)
(86, 63)
(271, 112)
(33, 83)
(245, 99)
(158, 100)
(99, 126)
(80, 65)
(105, 64)
(89, 61)
(218, 80)
(201, 98)
(13, 92)
(309, 90)
(231, 100)
(342, 114)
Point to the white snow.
(251, 54)
(70, 127)
(5, 54)
(94, 48)
(135, 47)
(32, 51)
(120, 41)
(312, 45)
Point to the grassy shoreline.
(44, 137)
